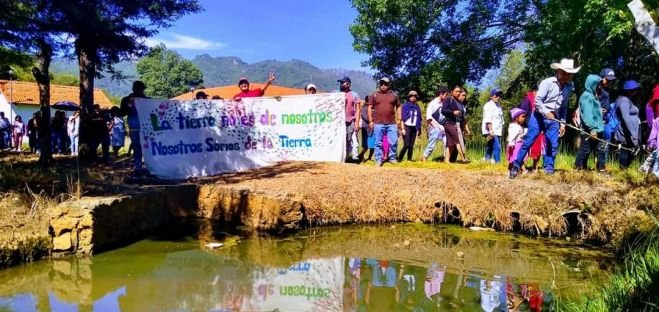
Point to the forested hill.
(220, 71)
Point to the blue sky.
(315, 31)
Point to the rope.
(619, 146)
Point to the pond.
(401, 267)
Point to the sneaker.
(393, 161)
(513, 173)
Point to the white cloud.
(179, 41)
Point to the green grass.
(476, 151)
(633, 286)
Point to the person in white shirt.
(492, 127)
(411, 115)
(73, 127)
(434, 119)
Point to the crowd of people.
(106, 128)
(384, 285)
(535, 127)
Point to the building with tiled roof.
(25, 97)
(227, 92)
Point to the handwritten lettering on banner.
(182, 139)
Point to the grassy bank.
(633, 286)
(564, 160)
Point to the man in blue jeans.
(435, 118)
(385, 120)
(492, 126)
(128, 109)
(549, 115)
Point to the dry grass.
(341, 193)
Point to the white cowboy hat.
(566, 65)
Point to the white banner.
(182, 139)
(644, 23)
(312, 285)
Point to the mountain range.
(227, 70)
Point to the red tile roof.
(23, 92)
(227, 92)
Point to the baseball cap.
(201, 95)
(631, 85)
(344, 79)
(243, 79)
(496, 91)
(310, 86)
(385, 80)
(608, 73)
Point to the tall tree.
(32, 26)
(460, 39)
(167, 74)
(107, 31)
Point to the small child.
(516, 134)
(117, 131)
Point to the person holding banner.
(385, 119)
(351, 106)
(245, 92)
(310, 89)
(127, 108)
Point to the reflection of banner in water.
(183, 139)
(312, 285)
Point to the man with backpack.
(435, 120)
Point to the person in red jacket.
(245, 92)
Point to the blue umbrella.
(66, 106)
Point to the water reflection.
(346, 269)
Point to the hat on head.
(412, 93)
(310, 86)
(566, 65)
(515, 112)
(496, 91)
(243, 79)
(385, 80)
(201, 95)
(608, 73)
(344, 79)
(631, 85)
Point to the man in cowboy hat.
(549, 115)
(245, 92)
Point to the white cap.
(311, 85)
